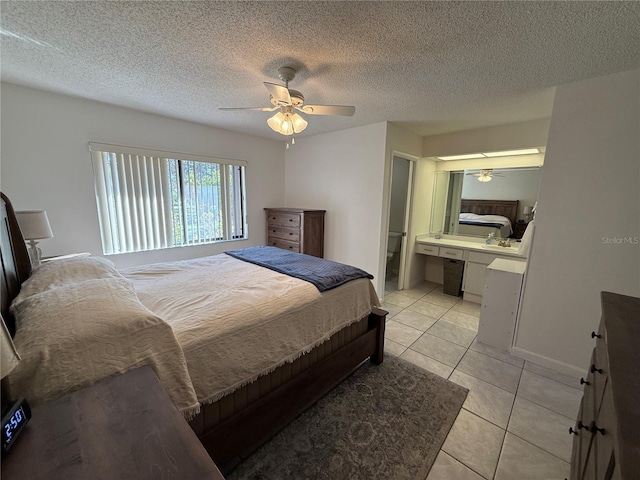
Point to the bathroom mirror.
(506, 184)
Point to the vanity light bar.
(508, 153)
(462, 157)
(504, 153)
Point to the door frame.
(407, 214)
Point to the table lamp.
(34, 225)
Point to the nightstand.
(518, 230)
(123, 427)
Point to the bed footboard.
(233, 427)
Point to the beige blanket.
(236, 321)
(74, 330)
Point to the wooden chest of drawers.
(296, 229)
(606, 442)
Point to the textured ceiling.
(434, 67)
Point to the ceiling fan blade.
(262, 109)
(278, 92)
(329, 110)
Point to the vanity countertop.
(476, 245)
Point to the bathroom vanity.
(473, 251)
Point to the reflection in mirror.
(510, 193)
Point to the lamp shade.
(34, 224)
(287, 122)
(527, 210)
(8, 354)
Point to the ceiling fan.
(287, 121)
(484, 175)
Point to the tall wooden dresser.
(296, 229)
(606, 443)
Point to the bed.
(483, 217)
(233, 401)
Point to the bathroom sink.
(502, 249)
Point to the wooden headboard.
(506, 208)
(16, 266)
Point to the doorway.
(401, 182)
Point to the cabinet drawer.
(283, 219)
(427, 249)
(447, 252)
(483, 258)
(278, 242)
(290, 234)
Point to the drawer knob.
(579, 425)
(291, 219)
(584, 382)
(290, 233)
(594, 369)
(595, 335)
(593, 428)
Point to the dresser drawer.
(283, 219)
(604, 438)
(427, 249)
(290, 234)
(454, 253)
(278, 242)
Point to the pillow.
(74, 335)
(60, 273)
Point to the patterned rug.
(387, 421)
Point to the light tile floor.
(515, 421)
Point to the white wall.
(589, 195)
(488, 139)
(46, 165)
(342, 173)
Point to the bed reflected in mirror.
(479, 202)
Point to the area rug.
(387, 421)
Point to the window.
(150, 199)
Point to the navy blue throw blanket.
(481, 224)
(324, 274)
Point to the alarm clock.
(13, 422)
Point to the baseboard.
(472, 297)
(549, 362)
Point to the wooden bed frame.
(234, 426)
(506, 208)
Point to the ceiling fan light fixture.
(299, 123)
(287, 122)
(275, 122)
(484, 177)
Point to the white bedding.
(505, 231)
(79, 321)
(236, 321)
